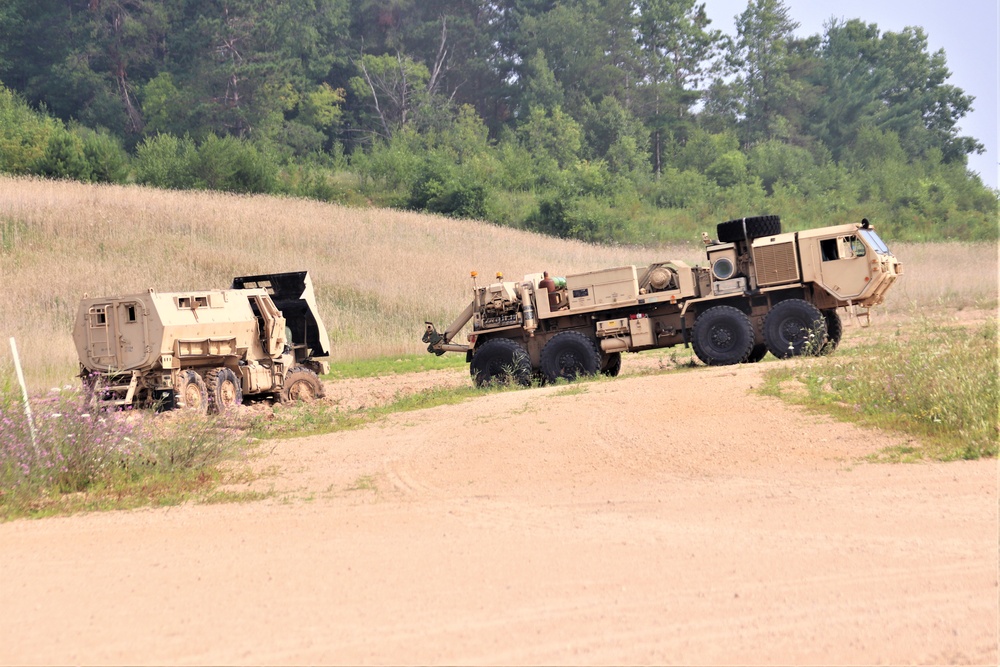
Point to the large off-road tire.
(568, 355)
(611, 364)
(224, 390)
(191, 393)
(757, 226)
(794, 327)
(758, 352)
(834, 331)
(722, 336)
(500, 361)
(301, 384)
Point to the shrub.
(108, 161)
(64, 157)
(233, 165)
(440, 189)
(24, 134)
(164, 161)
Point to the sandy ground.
(665, 519)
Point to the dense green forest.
(626, 121)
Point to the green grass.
(939, 384)
(152, 490)
(407, 363)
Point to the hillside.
(379, 274)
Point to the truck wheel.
(569, 355)
(224, 391)
(612, 364)
(794, 327)
(500, 361)
(191, 394)
(758, 352)
(722, 336)
(301, 384)
(757, 226)
(834, 331)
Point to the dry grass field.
(379, 274)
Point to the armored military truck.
(762, 291)
(204, 349)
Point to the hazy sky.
(965, 29)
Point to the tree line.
(604, 120)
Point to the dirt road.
(670, 519)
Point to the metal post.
(24, 392)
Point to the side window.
(828, 248)
(844, 247)
(130, 313)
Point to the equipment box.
(602, 288)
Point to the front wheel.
(794, 327)
(722, 336)
(301, 384)
(834, 331)
(568, 355)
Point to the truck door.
(130, 324)
(845, 266)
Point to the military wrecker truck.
(763, 290)
(204, 350)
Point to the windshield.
(874, 241)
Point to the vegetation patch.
(937, 383)
(407, 363)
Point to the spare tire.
(757, 226)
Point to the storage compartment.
(601, 288)
(641, 329)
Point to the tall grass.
(944, 275)
(379, 274)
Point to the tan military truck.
(204, 349)
(763, 290)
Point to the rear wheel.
(834, 331)
(224, 391)
(500, 361)
(301, 384)
(794, 327)
(191, 393)
(568, 355)
(722, 336)
(611, 364)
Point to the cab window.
(842, 247)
